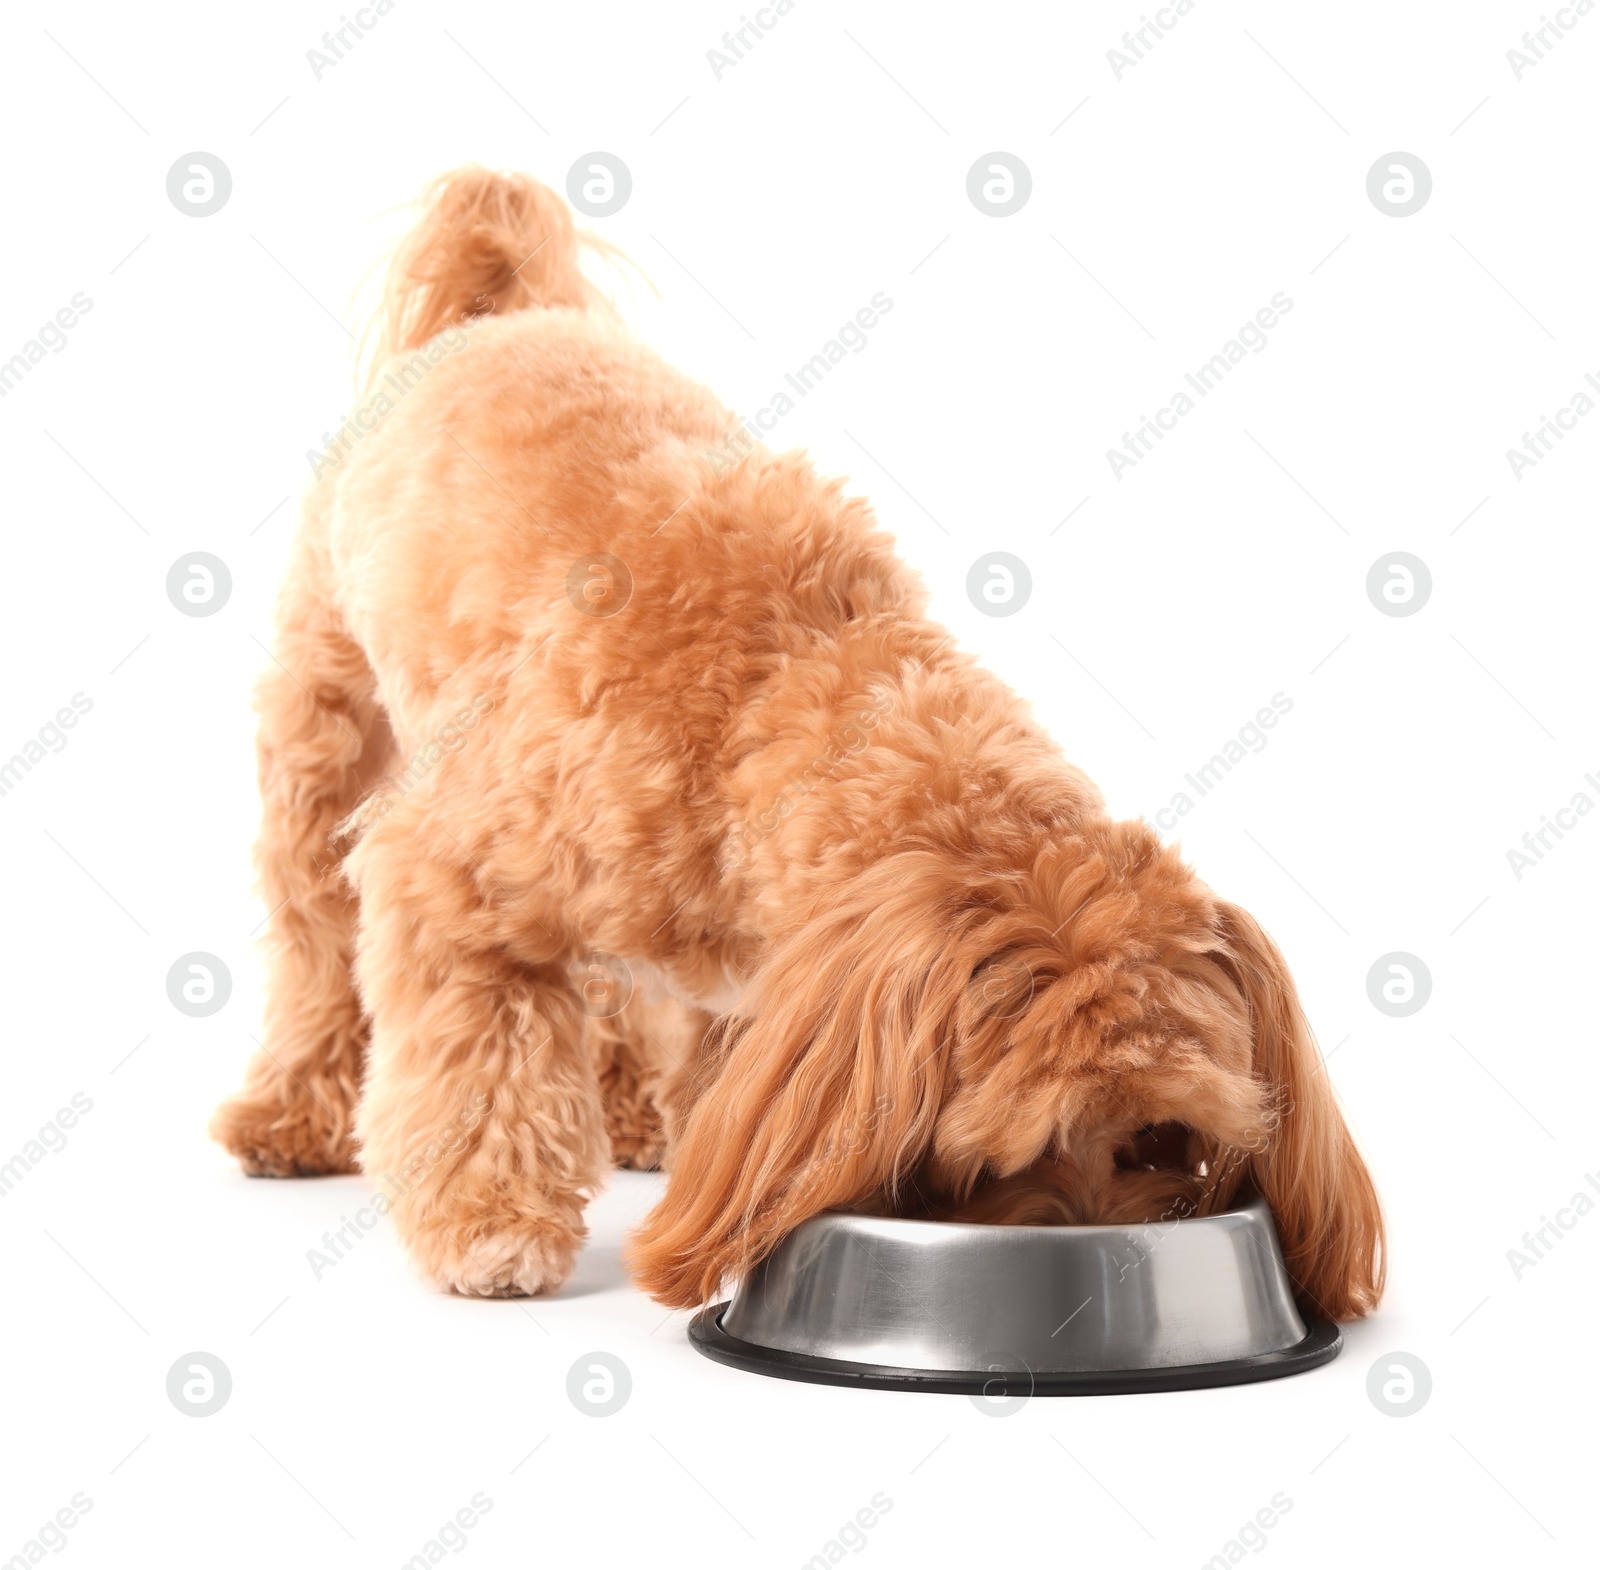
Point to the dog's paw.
(516, 1259)
(272, 1140)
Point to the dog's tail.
(486, 242)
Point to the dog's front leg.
(481, 1118)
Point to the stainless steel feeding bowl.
(1020, 1310)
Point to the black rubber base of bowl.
(1321, 1345)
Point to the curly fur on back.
(944, 980)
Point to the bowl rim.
(1245, 1204)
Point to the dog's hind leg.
(322, 739)
(481, 1121)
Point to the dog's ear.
(828, 1092)
(1308, 1169)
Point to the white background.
(768, 206)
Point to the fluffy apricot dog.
(577, 691)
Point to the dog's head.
(1099, 1040)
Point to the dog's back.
(510, 426)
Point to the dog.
(621, 804)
